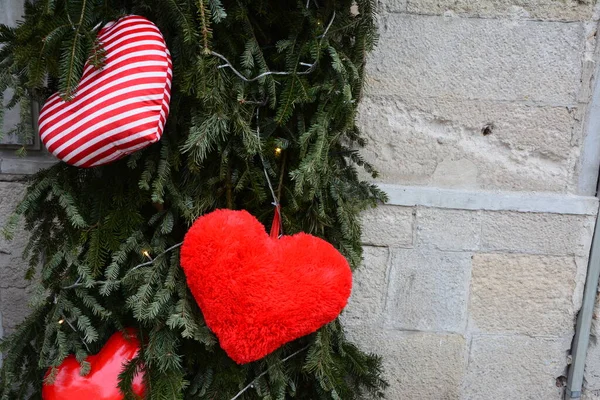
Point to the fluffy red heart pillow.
(257, 292)
(101, 383)
(118, 109)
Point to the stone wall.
(471, 304)
(13, 286)
(482, 119)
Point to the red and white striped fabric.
(116, 110)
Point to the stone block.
(590, 395)
(592, 365)
(428, 290)
(525, 294)
(446, 229)
(388, 226)
(515, 367)
(562, 10)
(533, 233)
(12, 266)
(369, 285)
(420, 366)
(11, 11)
(596, 318)
(13, 307)
(478, 59)
(444, 142)
(393, 5)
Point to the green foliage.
(90, 227)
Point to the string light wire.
(251, 384)
(311, 67)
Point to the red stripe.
(107, 90)
(104, 142)
(106, 115)
(92, 84)
(110, 39)
(147, 138)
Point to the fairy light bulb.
(278, 151)
(147, 255)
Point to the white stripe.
(115, 144)
(90, 117)
(140, 53)
(82, 111)
(118, 24)
(107, 37)
(113, 157)
(117, 42)
(83, 87)
(110, 62)
(92, 141)
(99, 88)
(87, 76)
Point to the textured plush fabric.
(258, 293)
(101, 383)
(118, 109)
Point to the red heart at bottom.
(102, 381)
(257, 292)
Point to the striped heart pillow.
(118, 109)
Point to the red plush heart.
(101, 383)
(257, 292)
(118, 109)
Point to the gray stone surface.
(591, 395)
(564, 10)
(388, 226)
(420, 366)
(551, 234)
(428, 290)
(454, 230)
(369, 287)
(524, 294)
(393, 5)
(477, 59)
(441, 142)
(14, 305)
(10, 12)
(592, 364)
(515, 367)
(13, 295)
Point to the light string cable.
(251, 384)
(78, 283)
(262, 160)
(311, 67)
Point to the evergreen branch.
(260, 153)
(205, 29)
(242, 77)
(73, 67)
(65, 319)
(267, 371)
(78, 282)
(311, 67)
